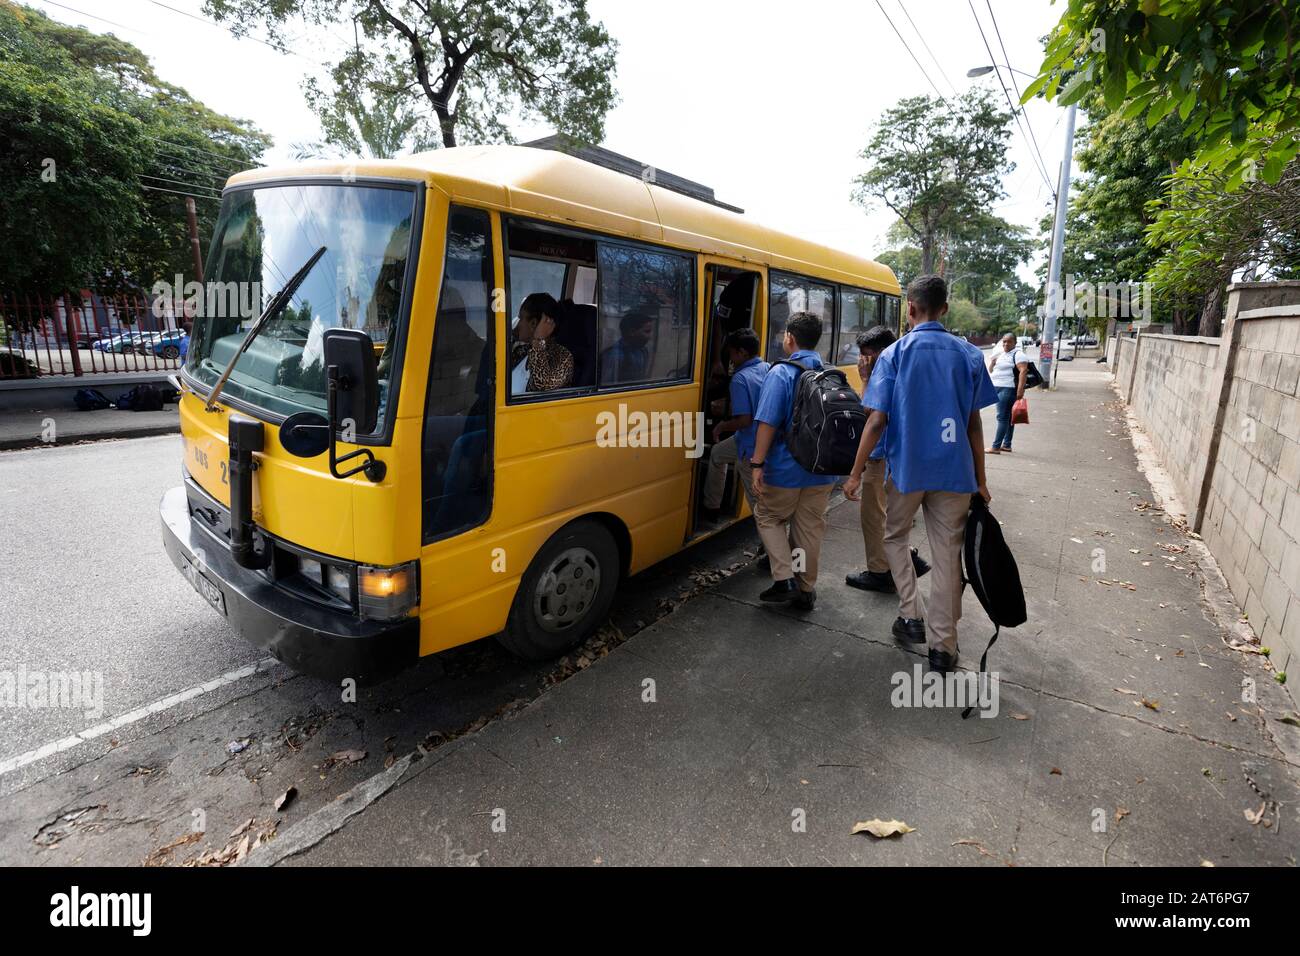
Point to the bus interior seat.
(577, 333)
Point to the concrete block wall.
(1170, 389)
(1224, 416)
(1252, 517)
(1120, 368)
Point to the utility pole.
(195, 248)
(1058, 249)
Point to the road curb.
(35, 441)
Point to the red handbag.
(1020, 412)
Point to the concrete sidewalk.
(32, 428)
(732, 733)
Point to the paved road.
(87, 586)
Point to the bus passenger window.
(892, 315)
(791, 294)
(456, 457)
(647, 316)
(859, 311)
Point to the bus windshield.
(262, 237)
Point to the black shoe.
(781, 592)
(919, 563)
(881, 581)
(942, 661)
(805, 600)
(909, 630)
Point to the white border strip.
(10, 764)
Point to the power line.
(1015, 114)
(279, 48)
(180, 182)
(160, 189)
(83, 13)
(927, 48)
(227, 160)
(1014, 85)
(913, 56)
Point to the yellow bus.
(367, 478)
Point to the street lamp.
(985, 70)
(1058, 229)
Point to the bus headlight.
(387, 593)
(339, 581)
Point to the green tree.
(476, 64)
(359, 120)
(1227, 69)
(101, 150)
(937, 167)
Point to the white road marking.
(10, 764)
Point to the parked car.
(1025, 342)
(88, 338)
(122, 342)
(167, 344)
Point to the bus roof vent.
(631, 167)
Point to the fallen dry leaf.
(883, 828)
(1120, 814)
(1019, 716)
(1150, 704)
(1056, 771)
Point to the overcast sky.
(769, 102)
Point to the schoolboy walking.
(928, 388)
(791, 512)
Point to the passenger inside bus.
(538, 362)
(628, 359)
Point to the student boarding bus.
(368, 477)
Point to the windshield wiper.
(274, 308)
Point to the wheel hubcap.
(567, 590)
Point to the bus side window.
(647, 316)
(791, 294)
(456, 454)
(859, 311)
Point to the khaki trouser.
(873, 515)
(791, 518)
(945, 525)
(721, 455)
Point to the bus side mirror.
(353, 369)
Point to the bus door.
(735, 298)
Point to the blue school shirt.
(928, 383)
(746, 384)
(776, 408)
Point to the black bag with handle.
(990, 569)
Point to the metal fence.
(44, 335)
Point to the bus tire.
(565, 594)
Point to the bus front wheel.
(565, 594)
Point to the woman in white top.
(1008, 366)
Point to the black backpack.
(142, 398)
(91, 400)
(826, 422)
(990, 569)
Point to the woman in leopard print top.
(549, 364)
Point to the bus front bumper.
(308, 637)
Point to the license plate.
(207, 590)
